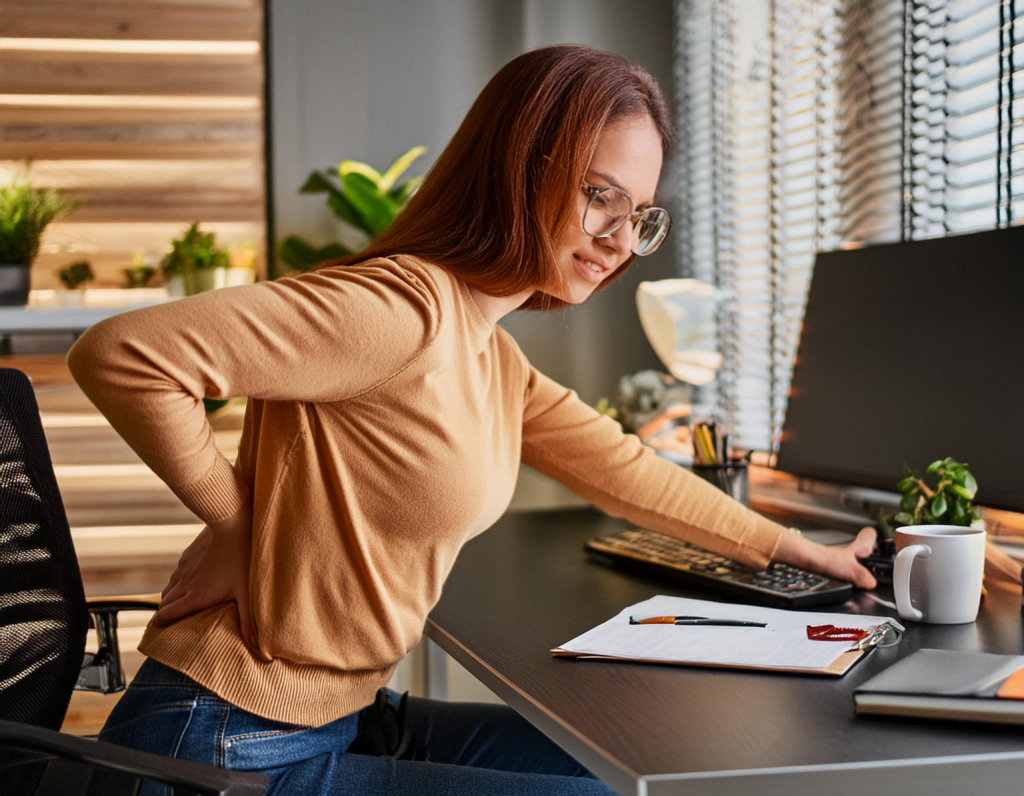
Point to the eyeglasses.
(608, 208)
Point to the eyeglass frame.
(633, 216)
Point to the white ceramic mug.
(947, 562)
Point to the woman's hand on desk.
(837, 562)
(213, 570)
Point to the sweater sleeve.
(319, 337)
(569, 441)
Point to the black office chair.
(44, 618)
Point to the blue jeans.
(484, 750)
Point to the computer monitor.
(909, 353)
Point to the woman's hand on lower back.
(213, 570)
(838, 561)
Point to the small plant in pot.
(947, 502)
(139, 274)
(193, 262)
(74, 277)
(25, 212)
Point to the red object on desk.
(833, 633)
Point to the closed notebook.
(944, 684)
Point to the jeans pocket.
(252, 743)
(151, 722)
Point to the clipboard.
(783, 645)
(837, 668)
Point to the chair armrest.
(128, 602)
(184, 774)
(102, 671)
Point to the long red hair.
(493, 205)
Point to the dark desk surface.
(525, 586)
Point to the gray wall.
(368, 79)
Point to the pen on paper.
(693, 620)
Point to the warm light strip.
(168, 47)
(129, 101)
(74, 421)
(128, 531)
(100, 470)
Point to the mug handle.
(901, 580)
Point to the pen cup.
(731, 478)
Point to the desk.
(525, 586)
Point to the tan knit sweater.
(386, 423)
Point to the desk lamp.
(678, 317)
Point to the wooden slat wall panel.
(209, 21)
(41, 132)
(150, 110)
(235, 175)
(174, 3)
(170, 205)
(104, 150)
(189, 74)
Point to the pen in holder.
(713, 461)
(730, 477)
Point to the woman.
(387, 419)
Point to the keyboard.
(779, 586)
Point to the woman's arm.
(323, 336)
(571, 442)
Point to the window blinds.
(807, 125)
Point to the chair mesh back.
(43, 619)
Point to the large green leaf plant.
(363, 198)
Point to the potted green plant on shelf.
(364, 202)
(25, 212)
(74, 277)
(139, 274)
(191, 265)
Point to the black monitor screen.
(909, 353)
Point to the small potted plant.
(139, 274)
(193, 263)
(25, 212)
(947, 502)
(74, 277)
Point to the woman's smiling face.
(628, 156)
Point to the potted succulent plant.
(192, 264)
(74, 276)
(364, 201)
(25, 212)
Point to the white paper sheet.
(783, 643)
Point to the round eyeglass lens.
(606, 211)
(650, 230)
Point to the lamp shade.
(678, 317)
